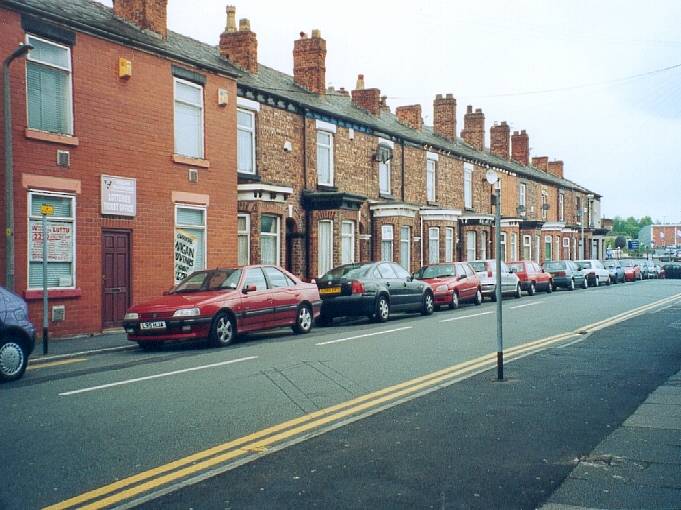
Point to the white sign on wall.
(119, 196)
(59, 241)
(185, 254)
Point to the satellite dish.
(491, 176)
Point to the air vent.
(64, 159)
(193, 175)
(58, 313)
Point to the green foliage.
(620, 242)
(629, 227)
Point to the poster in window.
(185, 254)
(59, 241)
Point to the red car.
(632, 271)
(451, 283)
(532, 277)
(218, 304)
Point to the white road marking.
(526, 304)
(563, 346)
(466, 316)
(157, 376)
(364, 335)
(81, 353)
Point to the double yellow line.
(297, 429)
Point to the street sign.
(633, 244)
(46, 210)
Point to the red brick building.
(127, 130)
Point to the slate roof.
(97, 19)
(92, 17)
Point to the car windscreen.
(517, 267)
(436, 271)
(554, 266)
(478, 266)
(219, 279)
(628, 263)
(348, 271)
(583, 264)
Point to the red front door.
(115, 276)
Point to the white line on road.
(466, 316)
(526, 304)
(157, 376)
(81, 353)
(364, 335)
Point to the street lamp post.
(20, 51)
(493, 179)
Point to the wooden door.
(115, 276)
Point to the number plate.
(330, 290)
(153, 325)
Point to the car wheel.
(13, 360)
(455, 301)
(585, 284)
(478, 298)
(493, 295)
(222, 331)
(608, 282)
(518, 293)
(549, 287)
(598, 283)
(572, 285)
(382, 309)
(303, 320)
(554, 286)
(427, 307)
(532, 290)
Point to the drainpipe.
(402, 170)
(421, 219)
(9, 164)
(307, 212)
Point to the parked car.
(632, 271)
(566, 274)
(17, 336)
(658, 271)
(532, 277)
(594, 271)
(615, 269)
(672, 270)
(219, 304)
(375, 289)
(647, 269)
(486, 271)
(452, 283)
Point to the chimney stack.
(149, 15)
(474, 128)
(444, 117)
(384, 104)
(520, 147)
(367, 99)
(239, 47)
(410, 115)
(500, 140)
(309, 62)
(541, 162)
(555, 168)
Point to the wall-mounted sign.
(59, 241)
(185, 254)
(119, 196)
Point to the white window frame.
(250, 130)
(202, 142)
(514, 246)
(522, 195)
(31, 194)
(330, 147)
(321, 263)
(471, 247)
(405, 242)
(433, 236)
(484, 244)
(561, 207)
(387, 238)
(69, 70)
(544, 200)
(527, 243)
(384, 187)
(449, 244)
(431, 180)
(502, 236)
(537, 249)
(467, 186)
(351, 237)
(245, 233)
(548, 241)
(276, 235)
(194, 227)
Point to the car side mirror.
(249, 288)
(460, 277)
(410, 278)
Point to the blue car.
(17, 336)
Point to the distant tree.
(630, 226)
(620, 242)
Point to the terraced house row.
(161, 155)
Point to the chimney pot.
(316, 34)
(438, 96)
(469, 109)
(244, 25)
(303, 35)
(360, 82)
(231, 19)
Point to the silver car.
(487, 272)
(594, 271)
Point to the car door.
(508, 279)
(284, 298)
(463, 284)
(471, 279)
(256, 305)
(412, 289)
(396, 287)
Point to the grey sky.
(619, 138)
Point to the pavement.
(554, 445)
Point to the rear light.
(560, 273)
(357, 287)
(489, 274)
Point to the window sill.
(185, 160)
(434, 204)
(326, 187)
(33, 294)
(386, 196)
(44, 136)
(242, 177)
